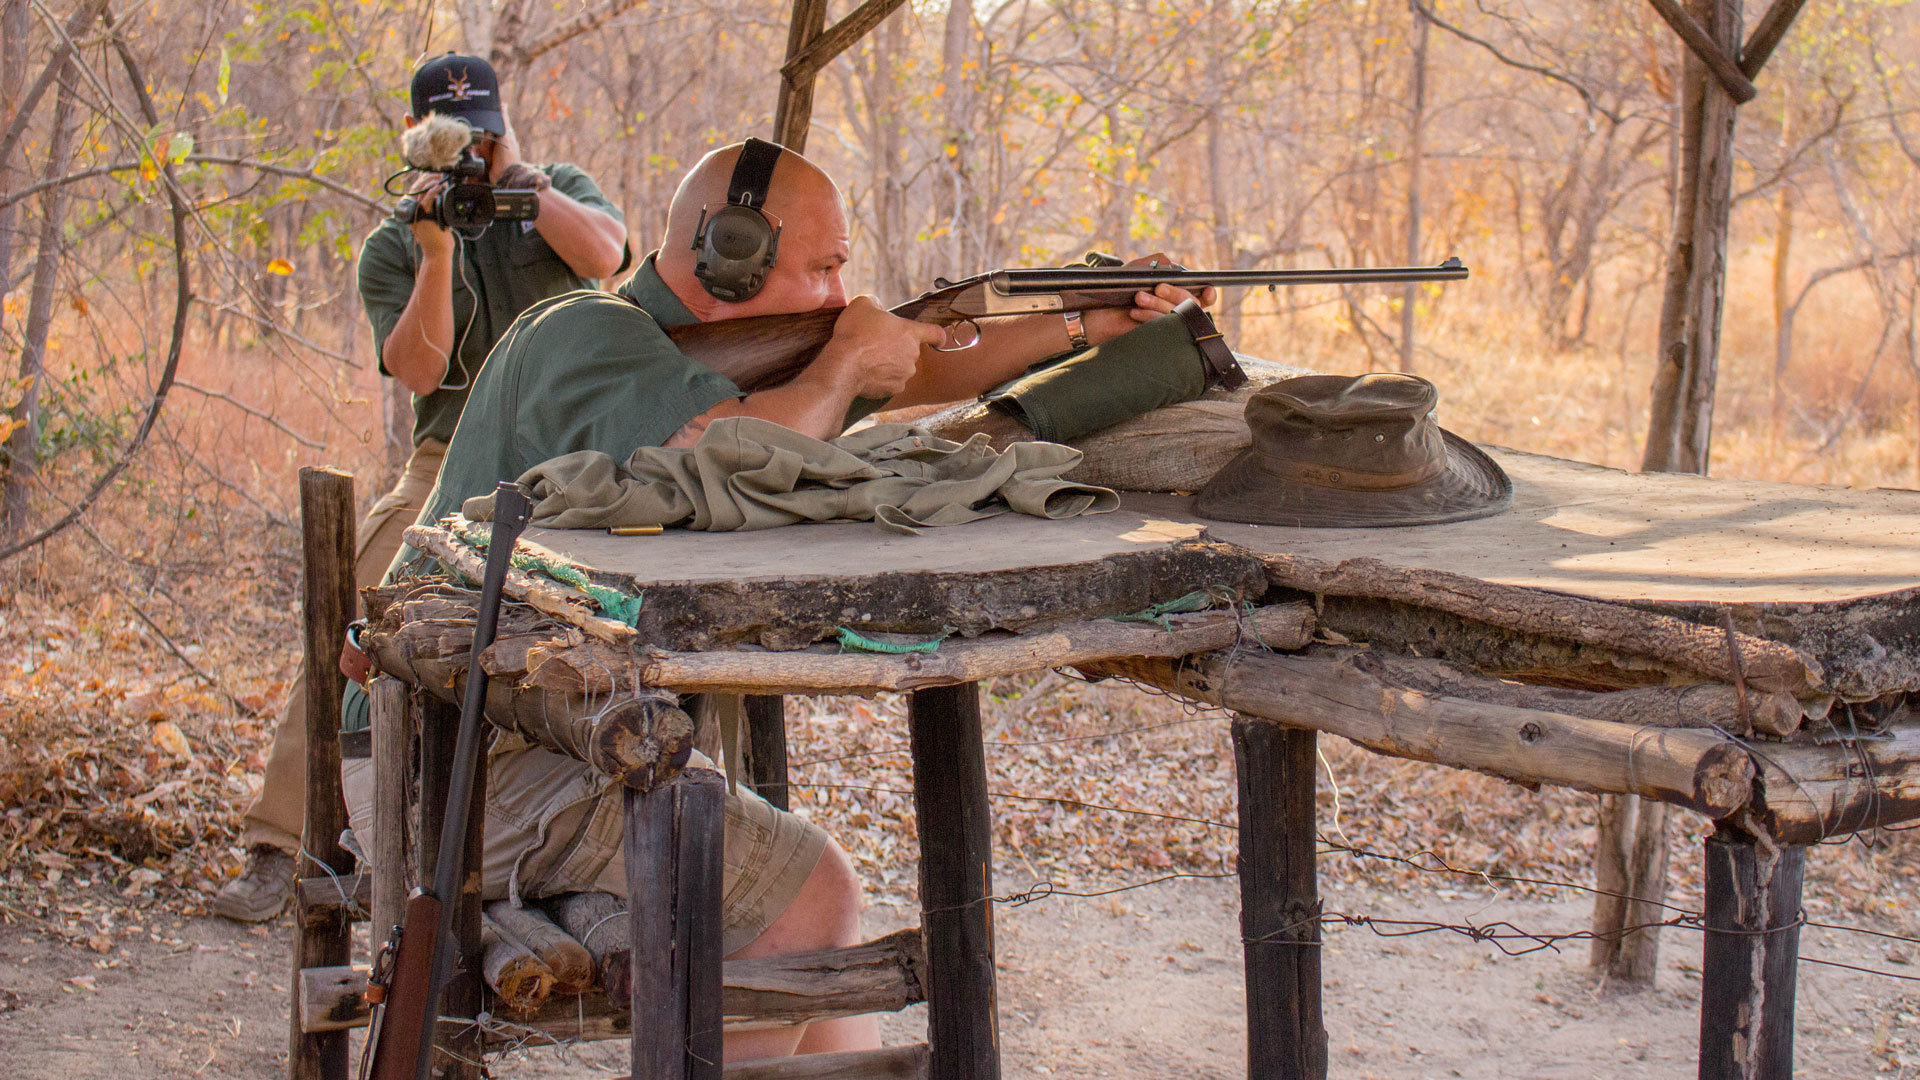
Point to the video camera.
(466, 199)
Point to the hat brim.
(491, 121)
(1472, 486)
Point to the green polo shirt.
(585, 371)
(502, 272)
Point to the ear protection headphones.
(739, 243)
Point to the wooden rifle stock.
(761, 352)
(394, 1049)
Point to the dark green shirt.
(585, 371)
(503, 272)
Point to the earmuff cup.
(739, 244)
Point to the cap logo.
(460, 86)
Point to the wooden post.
(767, 747)
(956, 881)
(439, 728)
(1749, 957)
(673, 856)
(1630, 870)
(392, 776)
(1280, 900)
(323, 939)
(794, 113)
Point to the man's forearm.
(815, 407)
(589, 241)
(416, 351)
(1007, 348)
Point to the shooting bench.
(1747, 651)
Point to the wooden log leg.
(673, 854)
(392, 766)
(956, 881)
(323, 939)
(1280, 900)
(1749, 958)
(1630, 861)
(767, 747)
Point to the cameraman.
(438, 299)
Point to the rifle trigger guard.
(954, 336)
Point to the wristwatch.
(1076, 331)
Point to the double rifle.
(767, 350)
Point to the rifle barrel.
(1022, 282)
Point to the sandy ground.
(1144, 983)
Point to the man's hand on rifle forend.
(1106, 324)
(874, 350)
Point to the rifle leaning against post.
(412, 970)
(767, 350)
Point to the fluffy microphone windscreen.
(435, 142)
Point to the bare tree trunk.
(25, 437)
(951, 194)
(889, 193)
(476, 26)
(14, 27)
(1782, 320)
(1416, 157)
(1680, 428)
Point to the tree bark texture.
(23, 442)
(1749, 958)
(1630, 870)
(1680, 427)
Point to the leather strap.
(1223, 370)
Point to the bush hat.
(1342, 451)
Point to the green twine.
(611, 602)
(858, 642)
(1198, 600)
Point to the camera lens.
(466, 206)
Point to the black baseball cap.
(463, 86)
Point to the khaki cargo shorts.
(554, 826)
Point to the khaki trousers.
(279, 812)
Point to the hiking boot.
(260, 891)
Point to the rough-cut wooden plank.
(1866, 647)
(1695, 705)
(785, 588)
(1767, 34)
(522, 980)
(823, 47)
(1702, 771)
(886, 1063)
(1284, 626)
(1804, 793)
(766, 747)
(793, 113)
(323, 939)
(570, 962)
(1748, 960)
(1768, 665)
(560, 601)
